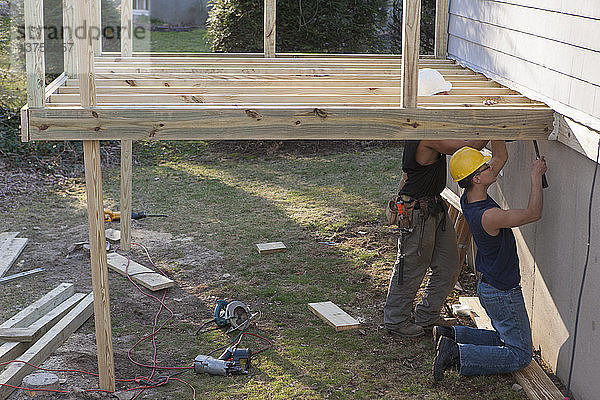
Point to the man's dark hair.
(467, 183)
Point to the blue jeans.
(508, 348)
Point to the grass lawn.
(192, 42)
(221, 203)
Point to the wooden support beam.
(93, 180)
(126, 192)
(270, 35)
(441, 29)
(289, 123)
(96, 25)
(34, 53)
(44, 347)
(25, 124)
(126, 28)
(70, 57)
(85, 53)
(34, 331)
(57, 83)
(411, 30)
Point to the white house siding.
(552, 254)
(549, 50)
(551, 47)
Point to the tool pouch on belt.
(399, 211)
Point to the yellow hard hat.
(465, 161)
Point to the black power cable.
(587, 258)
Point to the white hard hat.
(432, 82)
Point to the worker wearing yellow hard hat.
(466, 161)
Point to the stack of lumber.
(35, 332)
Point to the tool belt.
(399, 211)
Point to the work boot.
(439, 322)
(446, 357)
(439, 331)
(407, 329)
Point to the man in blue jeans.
(508, 347)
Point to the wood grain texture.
(34, 53)
(70, 56)
(93, 181)
(25, 124)
(334, 316)
(411, 30)
(126, 193)
(533, 379)
(10, 250)
(141, 275)
(96, 22)
(34, 331)
(238, 123)
(44, 347)
(441, 29)
(273, 247)
(126, 26)
(270, 35)
(85, 53)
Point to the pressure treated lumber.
(126, 25)
(34, 53)
(270, 36)
(533, 379)
(34, 331)
(139, 274)
(96, 22)
(239, 123)
(441, 29)
(411, 29)
(25, 123)
(334, 316)
(85, 54)
(126, 193)
(93, 182)
(44, 347)
(21, 274)
(70, 60)
(10, 250)
(273, 247)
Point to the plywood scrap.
(334, 316)
(113, 235)
(533, 379)
(10, 250)
(11, 350)
(268, 248)
(4, 236)
(138, 273)
(42, 325)
(40, 350)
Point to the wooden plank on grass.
(334, 316)
(42, 349)
(139, 274)
(9, 252)
(273, 247)
(11, 350)
(42, 325)
(533, 379)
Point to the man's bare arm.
(429, 150)
(499, 156)
(494, 219)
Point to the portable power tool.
(233, 361)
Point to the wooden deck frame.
(90, 79)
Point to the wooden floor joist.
(533, 379)
(40, 350)
(138, 273)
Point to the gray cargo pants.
(438, 253)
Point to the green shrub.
(335, 26)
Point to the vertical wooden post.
(34, 53)
(270, 27)
(70, 60)
(126, 192)
(93, 182)
(441, 29)
(126, 28)
(126, 145)
(411, 31)
(97, 26)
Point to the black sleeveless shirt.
(423, 180)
